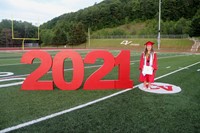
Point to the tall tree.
(6, 38)
(47, 36)
(195, 25)
(77, 34)
(61, 33)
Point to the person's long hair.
(146, 51)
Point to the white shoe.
(149, 88)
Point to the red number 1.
(123, 63)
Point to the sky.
(40, 11)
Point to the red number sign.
(31, 82)
(94, 81)
(58, 70)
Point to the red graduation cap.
(149, 43)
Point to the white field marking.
(198, 70)
(187, 67)
(3, 74)
(68, 69)
(11, 84)
(156, 88)
(182, 67)
(132, 62)
(83, 105)
(168, 67)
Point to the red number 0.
(58, 70)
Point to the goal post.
(24, 38)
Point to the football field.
(130, 110)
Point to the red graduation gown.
(148, 78)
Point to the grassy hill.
(138, 44)
(148, 27)
(132, 28)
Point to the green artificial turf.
(133, 111)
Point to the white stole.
(148, 69)
(151, 59)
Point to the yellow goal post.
(23, 39)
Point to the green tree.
(77, 34)
(112, 13)
(182, 26)
(6, 38)
(47, 36)
(118, 32)
(60, 32)
(195, 25)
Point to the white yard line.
(83, 105)
(168, 67)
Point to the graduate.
(148, 65)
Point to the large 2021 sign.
(94, 81)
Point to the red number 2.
(94, 81)
(31, 82)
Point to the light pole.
(159, 24)
(89, 37)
